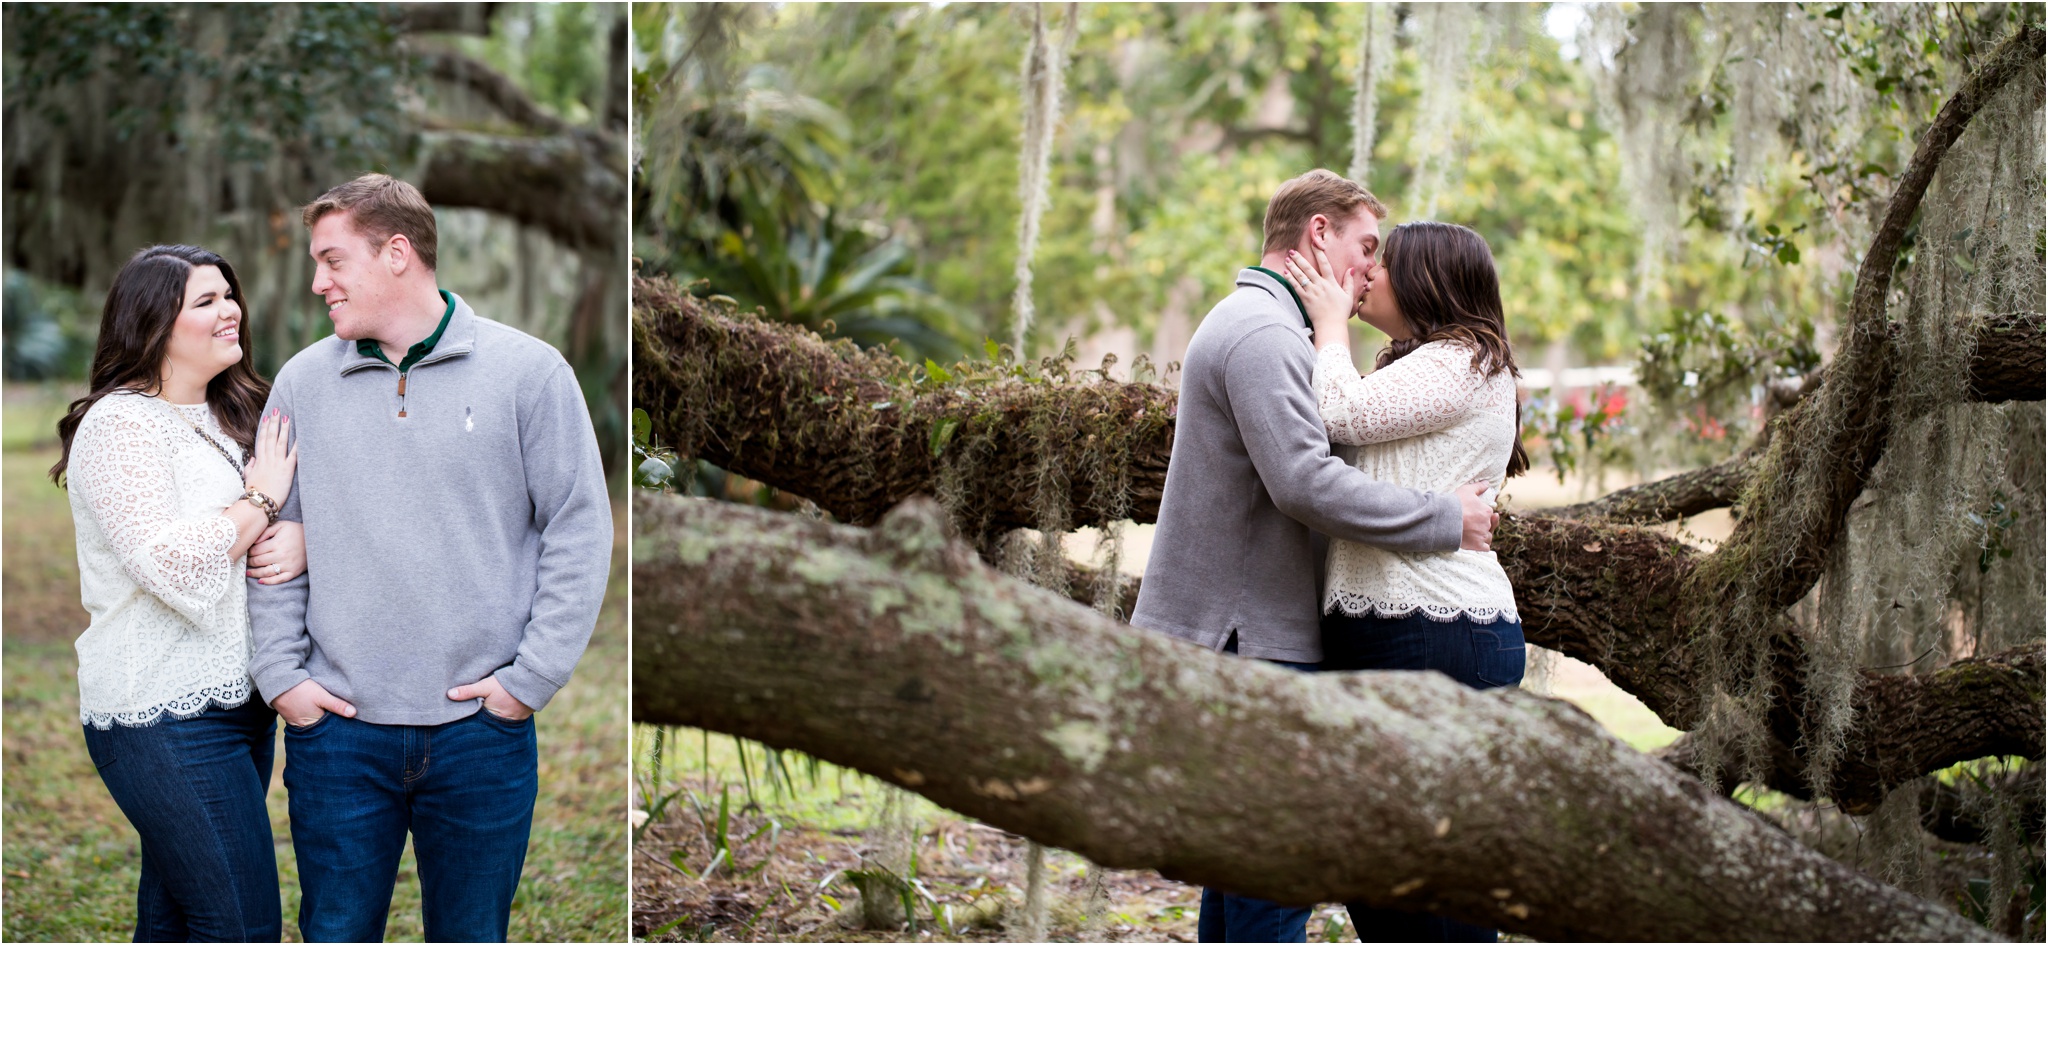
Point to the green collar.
(416, 352)
(1289, 287)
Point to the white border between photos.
(896, 992)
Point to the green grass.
(71, 859)
(798, 789)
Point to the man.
(1253, 491)
(458, 535)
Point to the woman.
(1437, 412)
(172, 480)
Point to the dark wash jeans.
(464, 790)
(1478, 655)
(1231, 918)
(194, 790)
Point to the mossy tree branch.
(2008, 367)
(896, 651)
(849, 430)
(1910, 725)
(571, 186)
(1619, 598)
(454, 67)
(1822, 454)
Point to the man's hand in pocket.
(496, 700)
(306, 703)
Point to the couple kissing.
(1325, 520)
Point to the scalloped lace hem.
(1364, 606)
(191, 705)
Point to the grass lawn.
(71, 859)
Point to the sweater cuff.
(273, 680)
(526, 685)
(1448, 528)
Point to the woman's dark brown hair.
(1445, 283)
(135, 335)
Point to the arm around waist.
(1268, 379)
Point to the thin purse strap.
(209, 440)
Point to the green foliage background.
(1179, 121)
(217, 124)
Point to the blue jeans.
(194, 790)
(1231, 918)
(463, 789)
(1481, 656)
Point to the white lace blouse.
(1427, 421)
(170, 617)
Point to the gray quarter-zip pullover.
(470, 536)
(1252, 482)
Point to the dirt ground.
(793, 882)
(797, 852)
(968, 886)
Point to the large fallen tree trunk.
(896, 651)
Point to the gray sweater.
(470, 537)
(1252, 483)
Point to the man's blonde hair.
(380, 206)
(1318, 192)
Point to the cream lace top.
(170, 610)
(1426, 421)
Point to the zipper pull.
(401, 393)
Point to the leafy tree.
(129, 124)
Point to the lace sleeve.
(123, 473)
(1425, 391)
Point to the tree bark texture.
(847, 429)
(896, 651)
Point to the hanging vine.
(1445, 52)
(1043, 76)
(1365, 100)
